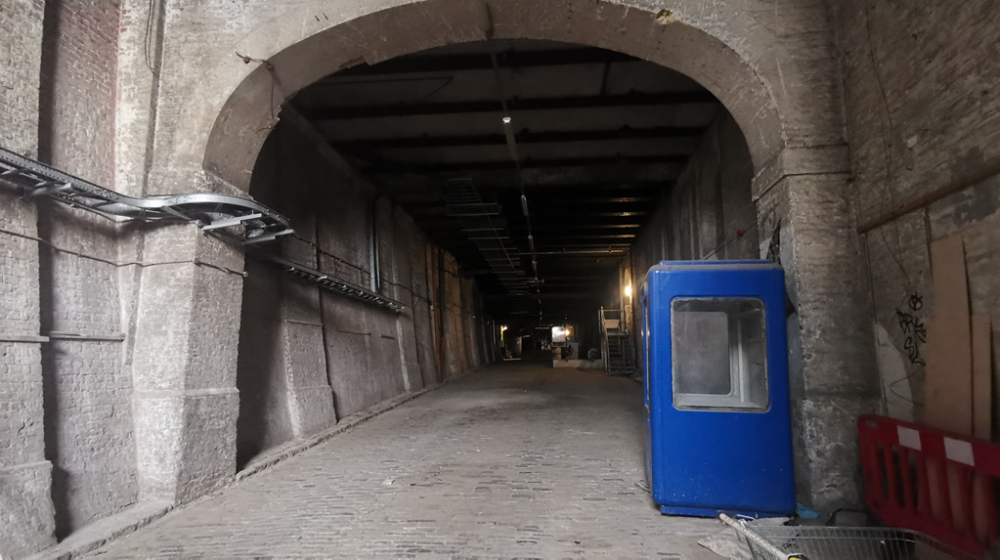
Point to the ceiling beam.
(552, 238)
(569, 199)
(541, 212)
(471, 166)
(507, 178)
(523, 137)
(653, 187)
(566, 200)
(344, 112)
(575, 226)
(481, 61)
(562, 295)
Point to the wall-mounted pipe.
(374, 271)
(508, 130)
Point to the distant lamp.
(628, 291)
(506, 120)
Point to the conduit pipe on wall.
(376, 281)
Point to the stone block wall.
(26, 514)
(309, 357)
(88, 392)
(708, 214)
(923, 111)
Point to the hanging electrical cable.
(508, 130)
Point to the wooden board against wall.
(982, 377)
(948, 372)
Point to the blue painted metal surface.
(705, 456)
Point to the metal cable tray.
(210, 211)
(328, 282)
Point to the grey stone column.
(805, 217)
(184, 367)
(27, 518)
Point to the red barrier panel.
(941, 484)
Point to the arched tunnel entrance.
(496, 188)
(455, 168)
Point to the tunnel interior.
(517, 152)
(150, 359)
(498, 189)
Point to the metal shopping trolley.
(843, 543)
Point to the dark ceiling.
(593, 139)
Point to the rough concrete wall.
(922, 111)
(87, 392)
(297, 342)
(409, 286)
(469, 324)
(362, 351)
(265, 420)
(423, 313)
(707, 215)
(456, 358)
(281, 372)
(26, 514)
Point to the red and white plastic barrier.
(941, 484)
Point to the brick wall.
(26, 517)
(21, 27)
(88, 405)
(923, 110)
(78, 87)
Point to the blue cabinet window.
(720, 356)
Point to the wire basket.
(844, 543)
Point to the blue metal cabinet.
(716, 388)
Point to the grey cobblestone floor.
(514, 461)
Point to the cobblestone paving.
(514, 461)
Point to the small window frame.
(740, 376)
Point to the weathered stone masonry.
(25, 475)
(123, 384)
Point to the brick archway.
(299, 56)
(777, 76)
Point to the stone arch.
(300, 54)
